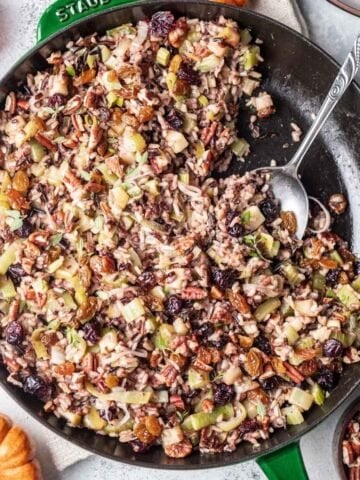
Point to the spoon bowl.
(285, 181)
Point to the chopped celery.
(135, 143)
(318, 394)
(293, 415)
(250, 58)
(38, 346)
(37, 151)
(209, 63)
(70, 70)
(118, 197)
(163, 336)
(113, 99)
(184, 177)
(240, 147)
(105, 53)
(117, 426)
(77, 346)
(7, 288)
(133, 310)
(348, 297)
(245, 36)
(334, 255)
(308, 308)
(55, 264)
(121, 396)
(93, 420)
(301, 398)
(170, 81)
(108, 341)
(69, 301)
(240, 415)
(266, 308)
(318, 282)
(197, 379)
(292, 274)
(126, 29)
(291, 334)
(91, 60)
(203, 101)
(267, 245)
(152, 186)
(252, 218)
(346, 339)
(306, 342)
(9, 256)
(176, 141)
(189, 124)
(200, 420)
(163, 57)
(250, 408)
(356, 284)
(80, 292)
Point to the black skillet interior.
(298, 75)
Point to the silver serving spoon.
(284, 180)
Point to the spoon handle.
(337, 90)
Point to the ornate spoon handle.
(337, 90)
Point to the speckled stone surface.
(334, 31)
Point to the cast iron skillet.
(297, 74)
(339, 434)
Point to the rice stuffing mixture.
(140, 297)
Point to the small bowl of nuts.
(347, 443)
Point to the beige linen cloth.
(61, 452)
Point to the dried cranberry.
(174, 305)
(14, 333)
(270, 210)
(91, 332)
(204, 331)
(175, 119)
(109, 414)
(25, 229)
(223, 393)
(271, 383)
(16, 272)
(103, 114)
(327, 379)
(248, 425)
(333, 348)
(36, 385)
(147, 280)
(220, 343)
(188, 74)
(332, 277)
(262, 343)
(57, 100)
(161, 23)
(140, 447)
(224, 278)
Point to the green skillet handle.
(284, 464)
(63, 13)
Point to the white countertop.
(332, 29)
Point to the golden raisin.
(175, 63)
(278, 365)
(21, 181)
(17, 201)
(289, 222)
(258, 395)
(254, 363)
(146, 114)
(181, 87)
(66, 368)
(143, 434)
(86, 77)
(87, 310)
(245, 342)
(125, 71)
(153, 425)
(112, 381)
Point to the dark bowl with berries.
(346, 445)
